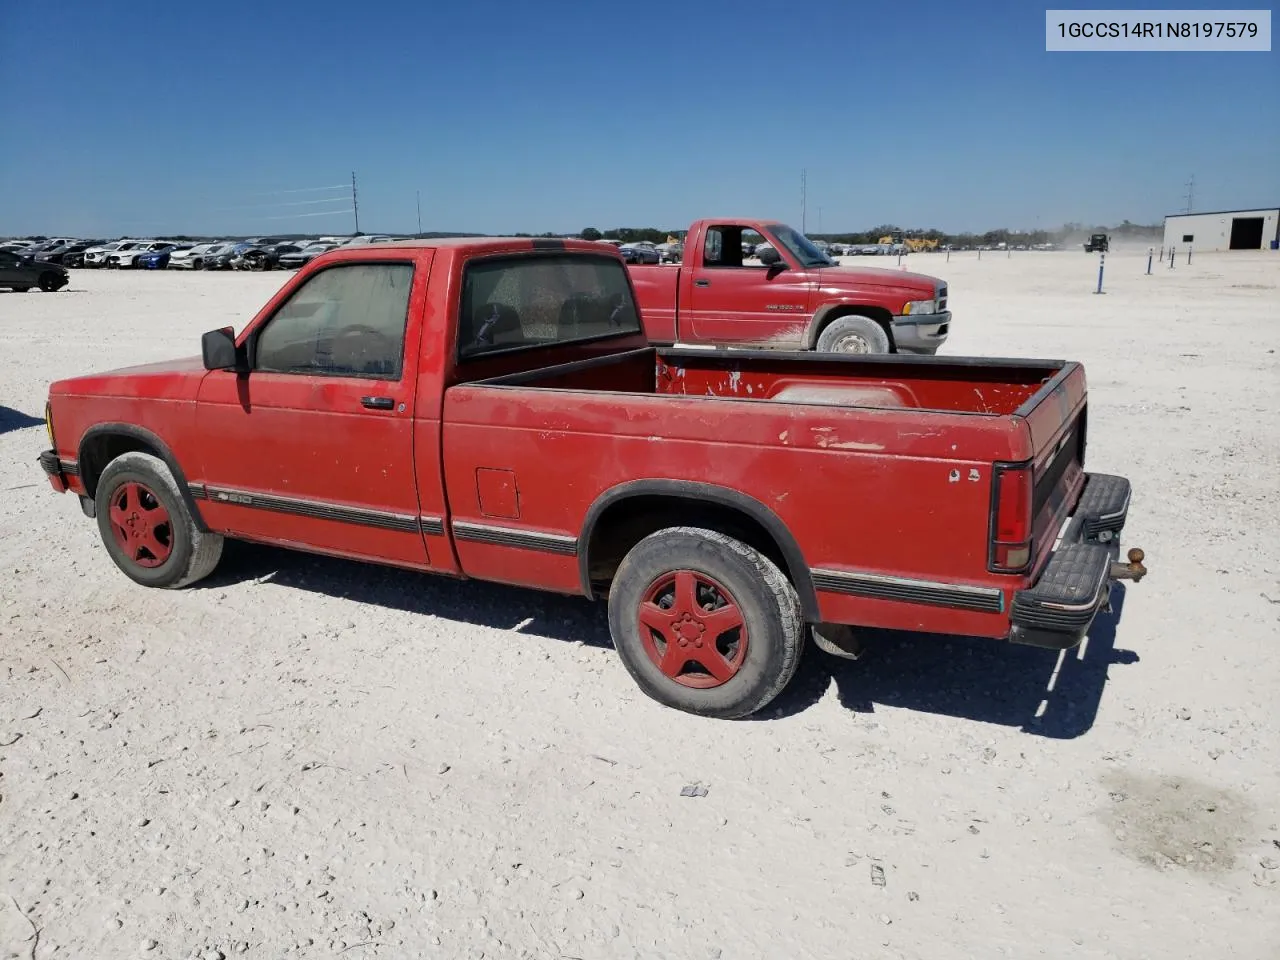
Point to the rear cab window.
(523, 301)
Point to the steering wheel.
(363, 330)
(387, 346)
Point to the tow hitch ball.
(1133, 570)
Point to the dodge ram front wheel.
(853, 334)
(705, 623)
(146, 526)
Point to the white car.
(125, 256)
(193, 258)
(97, 256)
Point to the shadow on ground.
(548, 615)
(969, 678)
(977, 679)
(11, 420)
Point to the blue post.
(1188, 254)
(948, 254)
(1173, 252)
(979, 253)
(1102, 262)
(1150, 256)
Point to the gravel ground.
(308, 757)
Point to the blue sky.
(557, 115)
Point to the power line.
(293, 216)
(273, 193)
(285, 203)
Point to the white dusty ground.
(302, 757)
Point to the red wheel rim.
(141, 525)
(692, 629)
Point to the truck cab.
(764, 284)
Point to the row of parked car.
(255, 253)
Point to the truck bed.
(953, 385)
(873, 463)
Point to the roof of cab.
(485, 243)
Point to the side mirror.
(218, 348)
(776, 267)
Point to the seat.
(496, 325)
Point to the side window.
(524, 301)
(730, 246)
(713, 247)
(346, 321)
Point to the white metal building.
(1224, 230)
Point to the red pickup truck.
(491, 409)
(790, 295)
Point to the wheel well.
(101, 448)
(879, 314)
(627, 521)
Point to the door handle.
(377, 403)
(702, 283)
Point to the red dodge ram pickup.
(491, 409)
(790, 296)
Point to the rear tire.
(667, 596)
(853, 334)
(49, 282)
(146, 526)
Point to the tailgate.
(1057, 418)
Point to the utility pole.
(1191, 192)
(804, 208)
(419, 213)
(819, 221)
(355, 206)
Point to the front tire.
(49, 282)
(704, 623)
(853, 334)
(146, 526)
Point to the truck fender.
(693, 492)
(829, 311)
(136, 438)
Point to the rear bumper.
(923, 333)
(1058, 609)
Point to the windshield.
(801, 247)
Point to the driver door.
(11, 269)
(741, 301)
(314, 448)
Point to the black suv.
(20, 273)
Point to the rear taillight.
(1010, 550)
